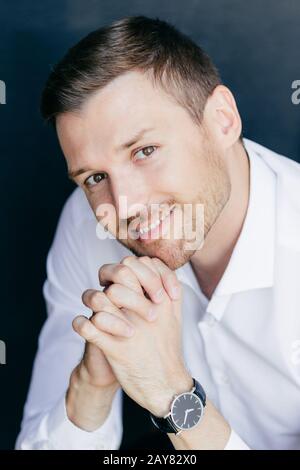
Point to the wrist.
(82, 375)
(213, 433)
(174, 386)
(88, 405)
(80, 379)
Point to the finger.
(169, 279)
(94, 358)
(148, 278)
(112, 324)
(148, 262)
(85, 328)
(127, 299)
(120, 274)
(97, 300)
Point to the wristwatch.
(186, 411)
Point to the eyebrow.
(72, 174)
(134, 139)
(125, 145)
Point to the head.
(144, 121)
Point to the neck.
(210, 262)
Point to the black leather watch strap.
(199, 391)
(166, 424)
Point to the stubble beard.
(214, 196)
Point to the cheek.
(183, 182)
(171, 176)
(107, 217)
(103, 208)
(98, 197)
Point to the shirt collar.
(251, 265)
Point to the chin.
(172, 253)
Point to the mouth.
(153, 231)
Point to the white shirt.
(243, 345)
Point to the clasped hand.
(136, 323)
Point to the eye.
(144, 152)
(95, 179)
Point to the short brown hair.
(172, 59)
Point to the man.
(202, 331)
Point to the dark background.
(256, 46)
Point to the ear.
(221, 117)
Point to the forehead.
(121, 107)
(133, 95)
(115, 114)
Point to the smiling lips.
(150, 231)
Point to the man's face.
(134, 143)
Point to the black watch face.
(187, 411)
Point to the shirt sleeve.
(45, 424)
(235, 442)
(63, 434)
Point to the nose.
(129, 195)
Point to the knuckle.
(112, 291)
(100, 299)
(107, 322)
(154, 280)
(104, 266)
(93, 299)
(156, 260)
(123, 271)
(127, 261)
(145, 258)
(147, 261)
(103, 320)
